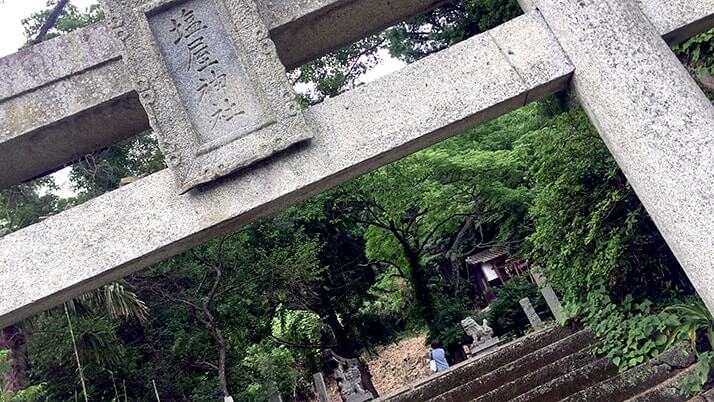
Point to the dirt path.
(400, 364)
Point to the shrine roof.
(487, 255)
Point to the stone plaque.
(211, 82)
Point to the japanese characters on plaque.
(187, 28)
(206, 71)
(212, 84)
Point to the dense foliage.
(258, 311)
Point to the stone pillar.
(274, 392)
(651, 114)
(549, 294)
(533, 318)
(320, 387)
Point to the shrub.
(446, 326)
(630, 332)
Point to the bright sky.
(12, 12)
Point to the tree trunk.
(347, 348)
(419, 282)
(455, 256)
(50, 22)
(211, 323)
(14, 339)
(221, 342)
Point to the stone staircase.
(553, 365)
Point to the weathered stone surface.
(326, 25)
(675, 389)
(653, 117)
(83, 77)
(481, 335)
(301, 31)
(562, 340)
(320, 387)
(530, 370)
(678, 20)
(532, 315)
(570, 383)
(675, 20)
(535, 376)
(54, 60)
(146, 222)
(56, 100)
(639, 379)
(349, 379)
(533, 62)
(210, 80)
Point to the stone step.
(461, 373)
(542, 375)
(673, 390)
(570, 383)
(572, 345)
(639, 379)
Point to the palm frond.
(114, 300)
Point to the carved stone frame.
(192, 161)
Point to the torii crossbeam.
(655, 120)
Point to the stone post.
(320, 387)
(653, 117)
(549, 294)
(533, 318)
(274, 392)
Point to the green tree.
(411, 40)
(589, 227)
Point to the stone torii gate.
(73, 95)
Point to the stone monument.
(482, 336)
(274, 392)
(549, 294)
(320, 387)
(349, 380)
(532, 315)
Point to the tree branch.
(431, 233)
(204, 364)
(300, 346)
(50, 23)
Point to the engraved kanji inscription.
(209, 76)
(210, 79)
